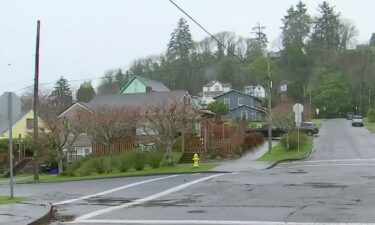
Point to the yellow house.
(22, 125)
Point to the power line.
(212, 36)
(127, 74)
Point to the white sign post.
(10, 107)
(298, 109)
(317, 113)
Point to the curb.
(291, 160)
(46, 219)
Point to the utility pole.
(36, 105)
(269, 104)
(369, 99)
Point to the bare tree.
(166, 122)
(108, 125)
(58, 134)
(284, 119)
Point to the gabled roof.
(136, 100)
(4, 124)
(233, 90)
(77, 104)
(209, 84)
(155, 85)
(252, 107)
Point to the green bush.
(293, 140)
(155, 159)
(238, 150)
(140, 160)
(123, 162)
(371, 115)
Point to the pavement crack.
(293, 212)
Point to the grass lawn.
(178, 169)
(278, 152)
(318, 122)
(369, 125)
(7, 200)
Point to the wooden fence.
(221, 145)
(119, 147)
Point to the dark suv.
(350, 115)
(276, 131)
(308, 128)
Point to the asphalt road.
(336, 184)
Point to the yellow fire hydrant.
(196, 161)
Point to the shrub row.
(121, 163)
(252, 140)
(293, 140)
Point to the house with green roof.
(140, 84)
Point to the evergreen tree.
(179, 50)
(61, 94)
(260, 36)
(295, 33)
(85, 92)
(181, 43)
(325, 38)
(372, 40)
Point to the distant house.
(22, 125)
(242, 106)
(140, 84)
(256, 91)
(213, 89)
(142, 101)
(81, 147)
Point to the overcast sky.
(83, 38)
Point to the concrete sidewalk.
(247, 162)
(23, 213)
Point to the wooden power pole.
(36, 105)
(269, 104)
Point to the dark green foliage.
(155, 158)
(371, 115)
(4, 144)
(372, 40)
(85, 92)
(333, 94)
(140, 160)
(219, 108)
(123, 162)
(293, 140)
(61, 94)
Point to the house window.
(135, 86)
(227, 101)
(240, 101)
(87, 151)
(217, 88)
(29, 124)
(244, 115)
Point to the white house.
(256, 91)
(213, 89)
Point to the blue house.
(242, 106)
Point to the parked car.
(309, 128)
(350, 115)
(357, 121)
(276, 131)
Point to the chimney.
(148, 89)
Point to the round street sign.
(298, 108)
(4, 105)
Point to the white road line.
(146, 199)
(327, 165)
(112, 190)
(208, 222)
(329, 160)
